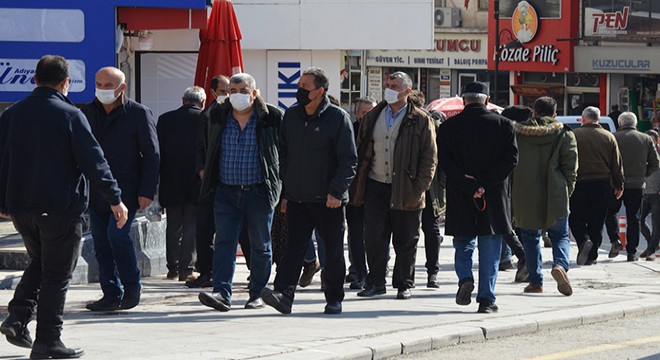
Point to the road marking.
(597, 348)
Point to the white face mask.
(221, 98)
(107, 97)
(240, 101)
(391, 96)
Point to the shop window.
(351, 81)
(582, 80)
(483, 4)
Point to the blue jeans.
(233, 209)
(490, 247)
(115, 253)
(558, 233)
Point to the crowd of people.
(242, 171)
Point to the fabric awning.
(538, 90)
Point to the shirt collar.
(389, 110)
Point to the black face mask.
(303, 97)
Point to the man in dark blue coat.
(179, 181)
(46, 151)
(477, 150)
(126, 131)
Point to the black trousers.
(355, 222)
(588, 206)
(204, 238)
(302, 218)
(651, 205)
(432, 237)
(53, 244)
(180, 237)
(381, 223)
(632, 199)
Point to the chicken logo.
(524, 22)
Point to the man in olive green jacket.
(639, 161)
(542, 185)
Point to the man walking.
(242, 170)
(477, 150)
(397, 160)
(640, 160)
(126, 131)
(599, 176)
(47, 150)
(543, 182)
(317, 159)
(179, 182)
(205, 218)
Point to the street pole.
(496, 13)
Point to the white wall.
(335, 24)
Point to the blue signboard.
(82, 31)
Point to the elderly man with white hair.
(599, 176)
(639, 161)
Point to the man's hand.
(144, 202)
(332, 202)
(618, 193)
(5, 216)
(479, 193)
(201, 174)
(121, 214)
(283, 206)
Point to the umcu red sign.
(534, 35)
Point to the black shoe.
(614, 249)
(632, 257)
(172, 275)
(358, 284)
(332, 308)
(105, 303)
(487, 308)
(54, 350)
(522, 274)
(255, 302)
(432, 281)
(215, 301)
(403, 294)
(583, 254)
(351, 277)
(506, 264)
(203, 281)
(591, 262)
(277, 300)
(131, 299)
(15, 328)
(308, 273)
(464, 294)
(372, 290)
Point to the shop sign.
(617, 59)
(450, 51)
(284, 71)
(18, 75)
(375, 83)
(445, 83)
(529, 33)
(622, 21)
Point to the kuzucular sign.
(18, 74)
(617, 59)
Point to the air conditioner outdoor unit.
(447, 17)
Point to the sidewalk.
(170, 323)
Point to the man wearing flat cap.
(477, 150)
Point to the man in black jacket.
(46, 151)
(179, 182)
(317, 161)
(242, 171)
(477, 150)
(126, 131)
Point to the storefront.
(84, 32)
(631, 65)
(456, 59)
(536, 46)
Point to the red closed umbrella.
(220, 48)
(453, 106)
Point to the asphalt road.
(627, 338)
